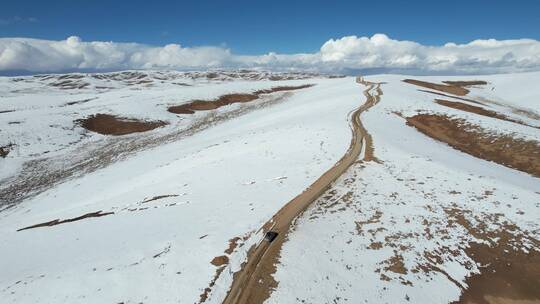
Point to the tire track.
(254, 282)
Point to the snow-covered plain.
(368, 239)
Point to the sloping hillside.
(161, 187)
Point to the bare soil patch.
(112, 125)
(155, 198)
(4, 150)
(205, 105)
(228, 99)
(479, 111)
(69, 84)
(466, 83)
(220, 260)
(508, 260)
(469, 108)
(450, 96)
(519, 154)
(77, 102)
(206, 292)
(395, 264)
(283, 88)
(232, 245)
(69, 220)
(508, 275)
(450, 89)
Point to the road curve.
(254, 282)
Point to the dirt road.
(254, 282)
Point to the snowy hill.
(159, 187)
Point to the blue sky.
(257, 27)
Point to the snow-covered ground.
(387, 231)
(226, 180)
(398, 230)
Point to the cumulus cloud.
(479, 56)
(350, 53)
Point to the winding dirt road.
(254, 282)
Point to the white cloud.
(378, 52)
(479, 56)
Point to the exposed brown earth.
(204, 295)
(478, 110)
(228, 99)
(519, 154)
(395, 264)
(483, 101)
(71, 103)
(70, 76)
(205, 105)
(232, 245)
(155, 198)
(509, 275)
(112, 125)
(254, 282)
(466, 83)
(450, 89)
(509, 268)
(469, 108)
(283, 88)
(456, 97)
(220, 260)
(4, 150)
(374, 219)
(58, 221)
(69, 84)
